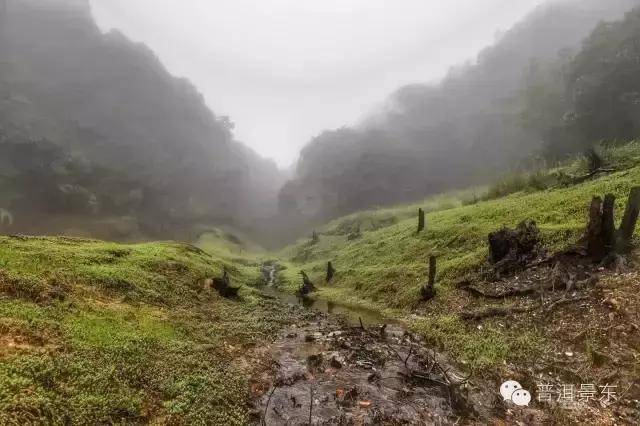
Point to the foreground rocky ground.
(326, 372)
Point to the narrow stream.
(352, 315)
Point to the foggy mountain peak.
(286, 70)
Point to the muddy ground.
(327, 372)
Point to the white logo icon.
(512, 391)
(521, 397)
(507, 389)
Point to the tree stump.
(420, 220)
(602, 238)
(223, 286)
(608, 223)
(595, 247)
(330, 271)
(629, 220)
(513, 245)
(307, 286)
(428, 292)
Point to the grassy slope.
(94, 332)
(385, 268)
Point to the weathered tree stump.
(514, 244)
(223, 286)
(595, 247)
(428, 291)
(629, 220)
(421, 220)
(307, 286)
(602, 238)
(608, 223)
(330, 271)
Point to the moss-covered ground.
(101, 333)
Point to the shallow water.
(352, 315)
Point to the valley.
(462, 251)
(133, 333)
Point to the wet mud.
(328, 372)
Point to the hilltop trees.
(594, 95)
(536, 90)
(605, 81)
(144, 143)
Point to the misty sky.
(284, 70)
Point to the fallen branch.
(408, 356)
(579, 179)
(513, 292)
(504, 311)
(311, 403)
(421, 376)
(264, 417)
(497, 311)
(562, 301)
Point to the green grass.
(95, 333)
(612, 154)
(385, 268)
(481, 348)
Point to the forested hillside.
(96, 137)
(530, 96)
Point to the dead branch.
(264, 417)
(496, 311)
(513, 292)
(422, 376)
(562, 301)
(509, 310)
(310, 403)
(579, 179)
(408, 356)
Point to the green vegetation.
(94, 332)
(607, 154)
(385, 268)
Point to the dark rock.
(314, 362)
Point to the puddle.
(350, 314)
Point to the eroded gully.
(347, 366)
